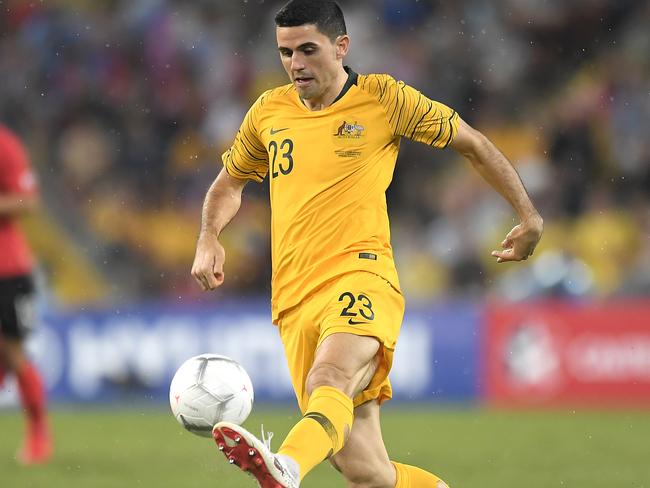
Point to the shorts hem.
(379, 394)
(347, 330)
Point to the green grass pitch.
(467, 447)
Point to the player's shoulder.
(377, 84)
(273, 95)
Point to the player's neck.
(330, 94)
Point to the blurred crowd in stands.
(126, 107)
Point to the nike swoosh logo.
(354, 322)
(275, 131)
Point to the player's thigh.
(17, 318)
(14, 355)
(17, 306)
(299, 334)
(345, 361)
(363, 461)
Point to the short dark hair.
(326, 15)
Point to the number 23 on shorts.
(356, 307)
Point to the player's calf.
(362, 472)
(370, 480)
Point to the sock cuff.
(413, 476)
(332, 393)
(401, 474)
(334, 411)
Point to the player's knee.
(13, 354)
(335, 465)
(327, 374)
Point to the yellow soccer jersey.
(328, 174)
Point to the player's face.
(311, 59)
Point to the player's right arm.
(246, 159)
(221, 204)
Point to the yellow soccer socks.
(412, 477)
(322, 430)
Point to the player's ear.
(342, 46)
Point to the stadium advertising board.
(131, 355)
(558, 353)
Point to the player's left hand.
(520, 242)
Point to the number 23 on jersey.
(281, 156)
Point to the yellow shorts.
(360, 303)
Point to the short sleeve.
(247, 159)
(413, 115)
(17, 175)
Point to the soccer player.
(18, 194)
(328, 142)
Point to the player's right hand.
(207, 269)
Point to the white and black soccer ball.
(208, 389)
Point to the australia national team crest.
(349, 130)
(349, 134)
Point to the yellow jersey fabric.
(328, 173)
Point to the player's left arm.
(493, 166)
(18, 187)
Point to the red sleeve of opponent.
(16, 175)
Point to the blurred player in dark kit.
(18, 194)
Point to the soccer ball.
(208, 389)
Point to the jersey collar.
(352, 80)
